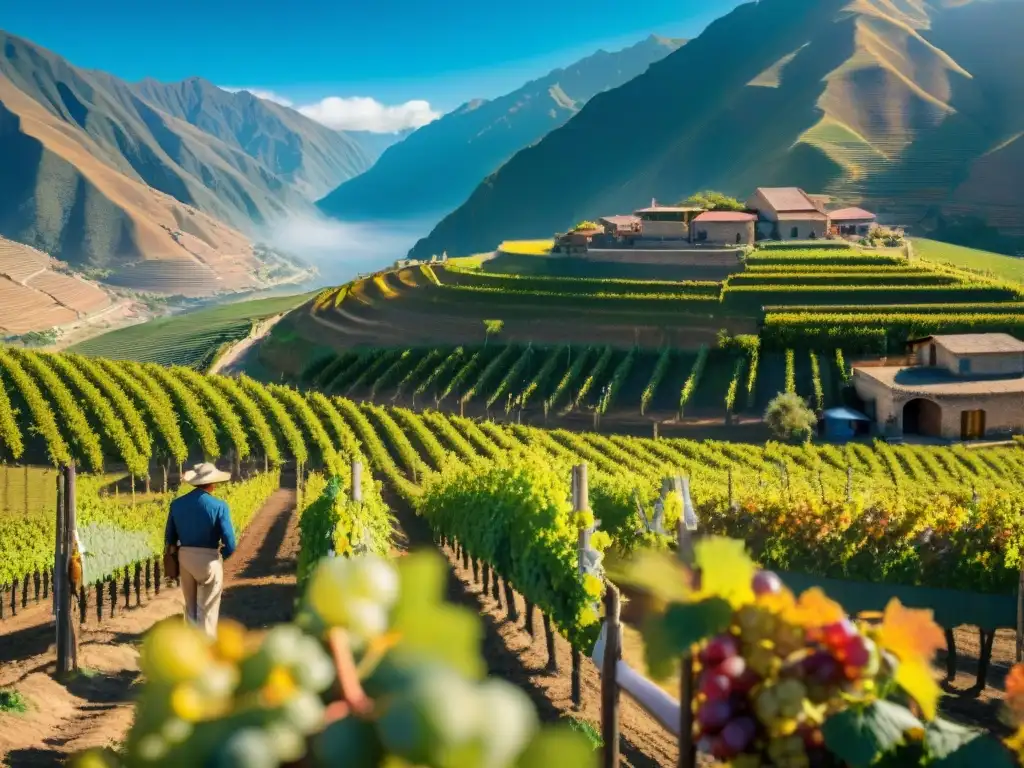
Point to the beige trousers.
(202, 583)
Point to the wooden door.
(972, 425)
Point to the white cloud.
(360, 113)
(356, 113)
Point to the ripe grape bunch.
(767, 684)
(376, 670)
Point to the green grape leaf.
(689, 623)
(953, 746)
(556, 747)
(858, 736)
(422, 577)
(441, 632)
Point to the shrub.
(789, 417)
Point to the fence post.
(609, 682)
(357, 480)
(67, 641)
(580, 504)
(687, 748)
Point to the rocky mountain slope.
(435, 169)
(913, 109)
(107, 175)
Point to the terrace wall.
(698, 257)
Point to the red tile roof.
(851, 214)
(726, 216)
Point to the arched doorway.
(922, 417)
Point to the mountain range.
(102, 174)
(436, 168)
(913, 109)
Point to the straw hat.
(205, 474)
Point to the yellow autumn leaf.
(910, 633)
(916, 678)
(816, 609)
(726, 570)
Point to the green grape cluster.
(376, 671)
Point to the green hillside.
(996, 264)
(192, 338)
(908, 109)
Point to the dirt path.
(229, 360)
(95, 707)
(514, 656)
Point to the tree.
(710, 200)
(790, 418)
(492, 327)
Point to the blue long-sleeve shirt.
(199, 519)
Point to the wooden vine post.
(580, 503)
(609, 679)
(67, 639)
(685, 532)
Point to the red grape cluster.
(767, 684)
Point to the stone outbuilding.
(960, 387)
(789, 213)
(724, 228)
(852, 221)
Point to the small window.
(794, 233)
(965, 365)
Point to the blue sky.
(389, 51)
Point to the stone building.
(959, 387)
(724, 228)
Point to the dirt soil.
(94, 708)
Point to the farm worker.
(198, 524)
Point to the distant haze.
(341, 250)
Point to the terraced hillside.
(35, 297)
(624, 351)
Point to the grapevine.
(511, 375)
(111, 422)
(483, 443)
(390, 374)
(159, 378)
(382, 360)
(259, 428)
(443, 426)
(349, 370)
(300, 410)
(215, 403)
(154, 402)
(123, 404)
(690, 385)
(461, 375)
(10, 434)
(278, 416)
(540, 379)
(488, 373)
(790, 371)
(819, 391)
(755, 359)
(411, 424)
(618, 379)
(595, 374)
(417, 371)
(660, 369)
(440, 371)
(570, 376)
(344, 436)
(398, 440)
(82, 436)
(734, 385)
(380, 458)
(841, 365)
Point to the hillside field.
(997, 264)
(191, 338)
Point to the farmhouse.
(665, 222)
(851, 221)
(724, 228)
(959, 387)
(789, 213)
